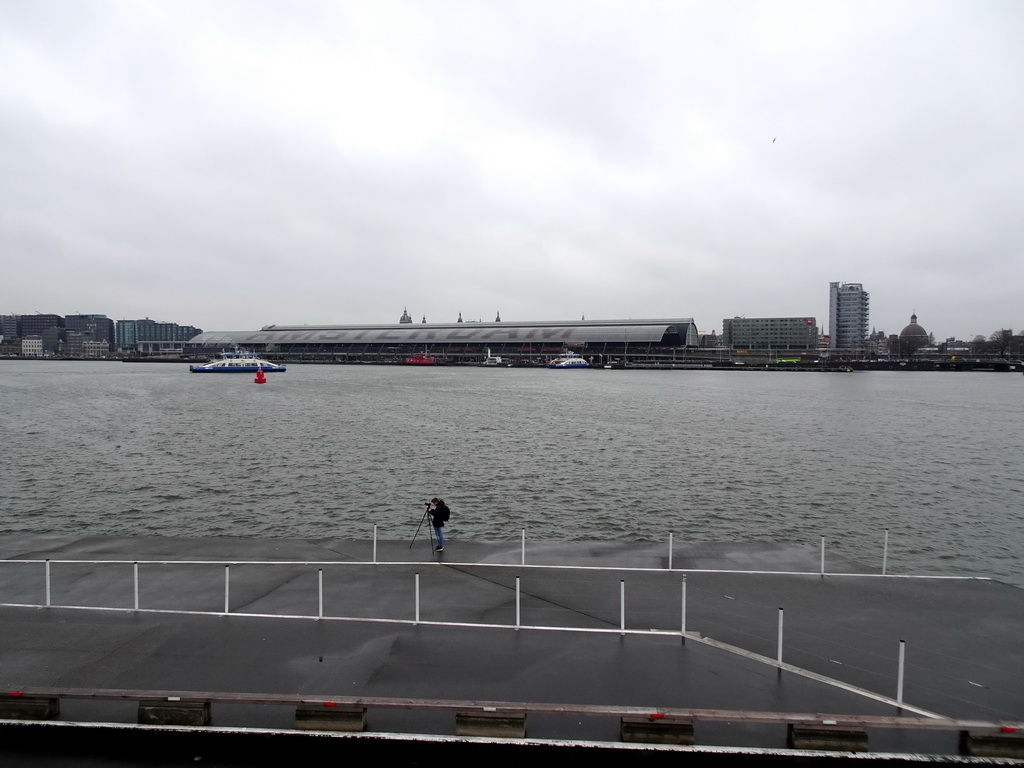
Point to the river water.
(325, 451)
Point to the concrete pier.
(582, 638)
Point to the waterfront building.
(9, 326)
(35, 325)
(125, 337)
(880, 345)
(79, 344)
(74, 343)
(32, 346)
(954, 347)
(525, 342)
(159, 347)
(848, 309)
(912, 338)
(94, 327)
(710, 340)
(131, 332)
(770, 333)
(53, 340)
(92, 348)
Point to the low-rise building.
(32, 346)
(770, 333)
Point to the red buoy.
(260, 377)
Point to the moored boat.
(493, 361)
(238, 362)
(569, 360)
(420, 359)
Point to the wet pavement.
(963, 637)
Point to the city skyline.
(235, 165)
(822, 322)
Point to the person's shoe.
(439, 549)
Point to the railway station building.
(520, 343)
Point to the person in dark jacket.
(439, 513)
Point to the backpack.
(443, 512)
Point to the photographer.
(439, 514)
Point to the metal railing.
(415, 615)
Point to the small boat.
(492, 361)
(238, 362)
(568, 360)
(419, 359)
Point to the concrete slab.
(963, 646)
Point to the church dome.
(914, 331)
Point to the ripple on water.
(932, 458)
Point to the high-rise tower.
(847, 315)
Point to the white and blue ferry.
(569, 360)
(238, 362)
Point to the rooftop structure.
(912, 338)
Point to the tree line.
(1002, 343)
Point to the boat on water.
(420, 359)
(494, 361)
(238, 362)
(568, 360)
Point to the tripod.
(430, 528)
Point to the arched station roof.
(669, 332)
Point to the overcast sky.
(232, 164)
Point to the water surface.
(112, 448)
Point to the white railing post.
(47, 582)
(778, 652)
(417, 597)
(823, 556)
(622, 606)
(374, 543)
(523, 558)
(682, 628)
(899, 673)
(136, 580)
(885, 551)
(670, 550)
(227, 587)
(519, 614)
(320, 593)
